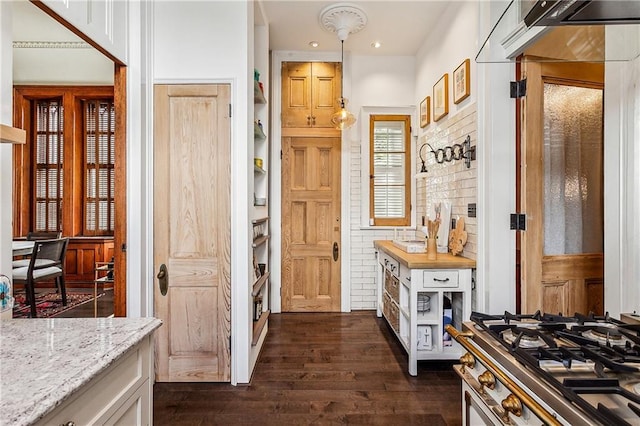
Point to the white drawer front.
(440, 278)
(390, 263)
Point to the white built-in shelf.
(258, 133)
(258, 326)
(260, 240)
(259, 221)
(12, 135)
(257, 94)
(259, 284)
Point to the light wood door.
(311, 224)
(310, 93)
(192, 231)
(561, 188)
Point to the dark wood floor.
(321, 369)
(105, 305)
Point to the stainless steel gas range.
(549, 369)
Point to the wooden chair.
(46, 262)
(35, 236)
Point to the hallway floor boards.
(321, 369)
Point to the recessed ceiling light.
(314, 44)
(376, 44)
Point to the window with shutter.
(49, 167)
(390, 166)
(99, 126)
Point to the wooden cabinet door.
(296, 94)
(325, 92)
(310, 93)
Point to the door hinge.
(281, 154)
(518, 88)
(518, 222)
(229, 110)
(229, 344)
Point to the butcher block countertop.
(44, 361)
(420, 261)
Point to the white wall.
(382, 83)
(452, 41)
(622, 177)
(495, 287)
(6, 150)
(77, 66)
(211, 42)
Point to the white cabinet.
(120, 395)
(419, 297)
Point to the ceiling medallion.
(343, 19)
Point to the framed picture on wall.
(425, 111)
(441, 98)
(461, 82)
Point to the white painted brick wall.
(450, 181)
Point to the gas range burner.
(522, 340)
(604, 335)
(526, 337)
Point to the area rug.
(49, 304)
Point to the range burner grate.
(601, 344)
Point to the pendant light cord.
(342, 74)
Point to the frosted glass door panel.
(573, 174)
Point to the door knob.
(336, 251)
(163, 279)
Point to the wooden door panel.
(555, 296)
(194, 272)
(312, 278)
(298, 171)
(192, 231)
(296, 94)
(311, 224)
(187, 338)
(572, 267)
(326, 92)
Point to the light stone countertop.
(44, 361)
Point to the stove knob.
(511, 404)
(487, 380)
(467, 360)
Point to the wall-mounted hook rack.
(453, 152)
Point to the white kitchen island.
(78, 370)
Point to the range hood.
(583, 12)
